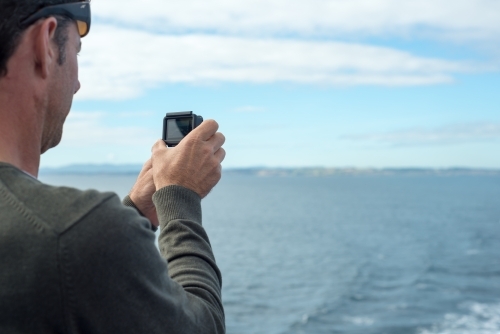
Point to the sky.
(309, 83)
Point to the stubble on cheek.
(57, 110)
(61, 96)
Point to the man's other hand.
(194, 164)
(142, 193)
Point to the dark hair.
(12, 12)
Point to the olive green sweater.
(76, 261)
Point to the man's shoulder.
(57, 207)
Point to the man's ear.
(45, 50)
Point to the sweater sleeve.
(114, 280)
(127, 201)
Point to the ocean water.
(351, 254)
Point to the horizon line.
(139, 165)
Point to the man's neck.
(19, 133)
(16, 154)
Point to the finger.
(149, 174)
(148, 164)
(146, 167)
(217, 141)
(220, 154)
(159, 145)
(206, 130)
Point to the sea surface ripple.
(352, 254)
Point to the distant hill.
(323, 171)
(264, 171)
(93, 169)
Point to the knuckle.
(206, 150)
(212, 123)
(222, 154)
(191, 140)
(157, 145)
(193, 135)
(217, 168)
(221, 137)
(215, 177)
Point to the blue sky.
(337, 83)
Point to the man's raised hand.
(194, 164)
(142, 193)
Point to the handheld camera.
(176, 125)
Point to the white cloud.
(449, 134)
(121, 63)
(88, 129)
(469, 19)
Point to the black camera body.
(176, 125)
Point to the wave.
(477, 319)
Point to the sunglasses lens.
(83, 28)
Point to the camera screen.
(178, 128)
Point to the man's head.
(39, 43)
(17, 15)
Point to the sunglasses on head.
(77, 11)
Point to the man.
(82, 262)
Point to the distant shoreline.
(266, 172)
(322, 172)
